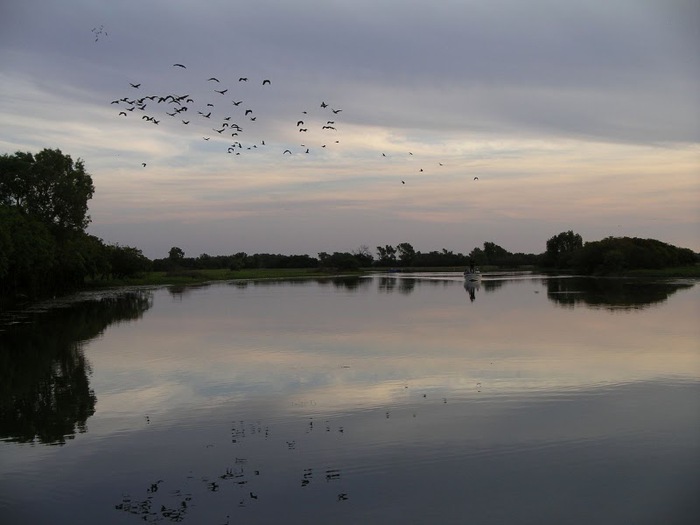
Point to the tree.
(406, 253)
(48, 186)
(495, 254)
(127, 261)
(387, 255)
(176, 254)
(28, 253)
(561, 249)
(364, 256)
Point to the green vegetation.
(44, 249)
(199, 276)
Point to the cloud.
(568, 113)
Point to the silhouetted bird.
(266, 82)
(213, 78)
(134, 85)
(179, 65)
(476, 178)
(223, 91)
(243, 79)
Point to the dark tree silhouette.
(45, 393)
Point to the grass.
(182, 277)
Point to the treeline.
(613, 255)
(45, 250)
(402, 255)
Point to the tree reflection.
(611, 294)
(45, 393)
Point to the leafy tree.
(561, 249)
(28, 254)
(49, 186)
(127, 261)
(338, 260)
(387, 255)
(616, 254)
(495, 254)
(176, 254)
(479, 257)
(406, 253)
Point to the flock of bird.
(229, 119)
(222, 115)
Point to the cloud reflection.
(346, 347)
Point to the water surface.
(409, 398)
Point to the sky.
(447, 123)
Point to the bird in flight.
(213, 78)
(286, 151)
(476, 178)
(236, 103)
(143, 164)
(99, 31)
(223, 91)
(134, 85)
(266, 82)
(243, 79)
(179, 65)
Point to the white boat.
(472, 275)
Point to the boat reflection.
(471, 287)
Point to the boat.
(472, 274)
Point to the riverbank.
(185, 277)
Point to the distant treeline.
(402, 255)
(44, 249)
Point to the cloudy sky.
(581, 115)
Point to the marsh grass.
(190, 276)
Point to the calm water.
(404, 399)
